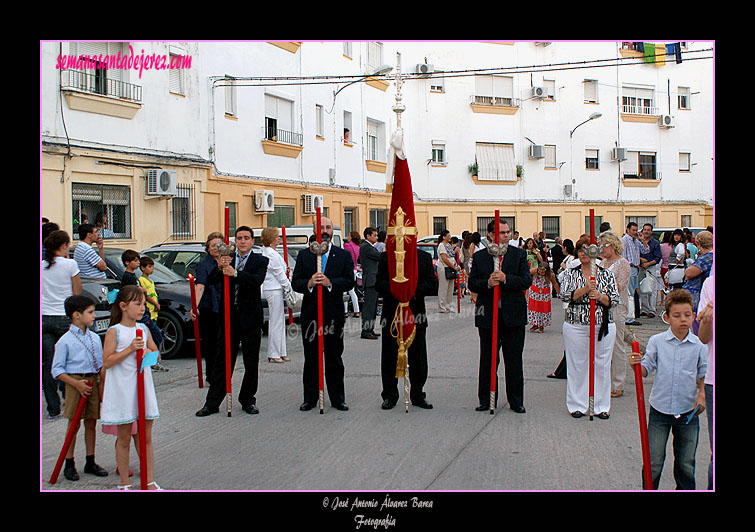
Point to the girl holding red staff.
(119, 403)
(578, 290)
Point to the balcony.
(640, 113)
(648, 177)
(282, 143)
(96, 93)
(494, 105)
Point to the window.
(591, 160)
(640, 165)
(282, 215)
(686, 220)
(176, 75)
(374, 56)
(231, 217)
(495, 162)
(101, 77)
(550, 156)
(638, 100)
(437, 82)
(596, 230)
(684, 165)
(347, 135)
(230, 96)
(494, 90)
(552, 226)
(378, 219)
(347, 46)
(483, 221)
(375, 140)
(109, 205)
(349, 220)
(591, 90)
(279, 121)
(438, 152)
(439, 224)
(683, 98)
(184, 213)
(550, 89)
(640, 220)
(319, 124)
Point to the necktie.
(241, 262)
(324, 261)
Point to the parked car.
(100, 290)
(299, 234)
(431, 248)
(183, 259)
(433, 239)
(659, 233)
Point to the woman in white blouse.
(445, 260)
(578, 290)
(621, 270)
(60, 280)
(275, 288)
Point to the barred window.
(107, 207)
(184, 212)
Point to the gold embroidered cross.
(400, 232)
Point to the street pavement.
(449, 448)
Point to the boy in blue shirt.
(78, 360)
(680, 361)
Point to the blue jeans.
(53, 327)
(633, 285)
(685, 438)
(154, 330)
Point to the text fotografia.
(128, 61)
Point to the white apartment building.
(297, 123)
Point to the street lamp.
(593, 116)
(381, 70)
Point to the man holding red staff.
(336, 278)
(513, 278)
(246, 272)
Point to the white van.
(299, 234)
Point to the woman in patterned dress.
(539, 304)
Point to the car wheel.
(173, 334)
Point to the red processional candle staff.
(197, 345)
(141, 423)
(647, 471)
(319, 251)
(497, 250)
(227, 317)
(591, 252)
(285, 257)
(69, 436)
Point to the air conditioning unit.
(536, 152)
(161, 182)
(539, 92)
(618, 154)
(667, 121)
(264, 201)
(424, 69)
(311, 202)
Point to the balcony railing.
(649, 173)
(283, 136)
(640, 110)
(99, 83)
(494, 101)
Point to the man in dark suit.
(369, 258)
(246, 272)
(337, 277)
(427, 285)
(513, 278)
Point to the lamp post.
(593, 116)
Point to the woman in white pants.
(275, 288)
(578, 290)
(445, 260)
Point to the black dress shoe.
(518, 409)
(70, 473)
(250, 409)
(422, 403)
(369, 336)
(482, 408)
(206, 411)
(95, 469)
(307, 406)
(388, 404)
(341, 406)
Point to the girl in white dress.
(119, 402)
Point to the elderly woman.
(700, 270)
(621, 270)
(208, 300)
(275, 287)
(578, 290)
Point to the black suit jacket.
(513, 311)
(339, 269)
(249, 280)
(369, 258)
(427, 285)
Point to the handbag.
(676, 275)
(450, 273)
(647, 285)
